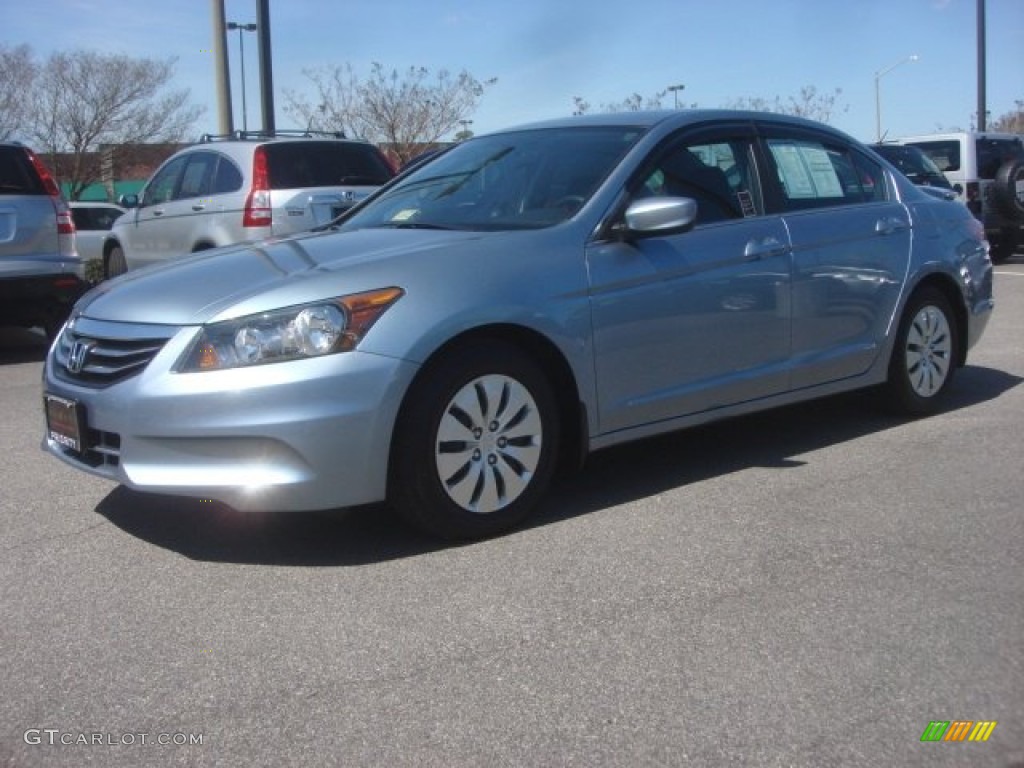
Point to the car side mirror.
(958, 188)
(128, 201)
(658, 216)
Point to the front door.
(690, 322)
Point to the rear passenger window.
(228, 178)
(814, 175)
(82, 218)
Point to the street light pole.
(231, 25)
(675, 89)
(878, 96)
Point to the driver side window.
(717, 175)
(161, 188)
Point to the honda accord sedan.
(515, 303)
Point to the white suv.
(242, 187)
(987, 171)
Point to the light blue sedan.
(515, 303)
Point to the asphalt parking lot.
(807, 587)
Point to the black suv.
(41, 274)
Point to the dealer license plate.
(64, 422)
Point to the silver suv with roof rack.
(242, 187)
(41, 274)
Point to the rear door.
(851, 250)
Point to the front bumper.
(300, 435)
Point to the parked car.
(917, 167)
(242, 187)
(41, 274)
(92, 225)
(987, 171)
(528, 297)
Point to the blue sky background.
(545, 52)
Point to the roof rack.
(207, 138)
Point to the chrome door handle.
(768, 246)
(890, 224)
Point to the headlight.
(310, 330)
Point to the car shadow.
(770, 439)
(210, 531)
(22, 345)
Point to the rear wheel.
(476, 443)
(924, 357)
(115, 264)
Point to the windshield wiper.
(411, 225)
(456, 186)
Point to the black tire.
(924, 357)
(1008, 189)
(476, 442)
(114, 264)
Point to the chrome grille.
(98, 354)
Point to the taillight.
(65, 224)
(257, 205)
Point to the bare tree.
(85, 100)
(809, 104)
(408, 111)
(632, 103)
(1012, 121)
(17, 71)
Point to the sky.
(545, 52)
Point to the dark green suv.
(41, 273)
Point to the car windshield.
(518, 180)
(915, 165)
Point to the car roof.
(676, 118)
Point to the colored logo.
(959, 730)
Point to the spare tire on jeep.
(1008, 189)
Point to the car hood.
(244, 279)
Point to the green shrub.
(94, 271)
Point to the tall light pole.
(982, 112)
(231, 26)
(878, 97)
(675, 89)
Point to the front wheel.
(924, 357)
(476, 442)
